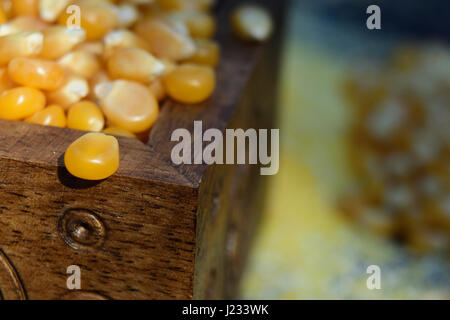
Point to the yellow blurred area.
(305, 249)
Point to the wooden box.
(154, 230)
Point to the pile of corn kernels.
(401, 148)
(105, 66)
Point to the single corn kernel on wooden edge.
(93, 156)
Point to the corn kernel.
(5, 81)
(23, 44)
(199, 24)
(3, 17)
(180, 5)
(81, 63)
(134, 64)
(94, 156)
(22, 23)
(98, 78)
(190, 83)
(6, 6)
(50, 10)
(20, 103)
(94, 47)
(169, 66)
(97, 18)
(51, 116)
(172, 5)
(116, 131)
(72, 91)
(36, 73)
(85, 115)
(59, 40)
(252, 23)
(156, 87)
(165, 41)
(208, 53)
(122, 39)
(25, 7)
(128, 105)
(127, 15)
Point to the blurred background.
(365, 161)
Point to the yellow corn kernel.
(36, 73)
(208, 53)
(122, 39)
(94, 156)
(72, 91)
(181, 5)
(94, 47)
(116, 131)
(81, 63)
(165, 41)
(6, 6)
(51, 116)
(25, 7)
(172, 5)
(20, 103)
(199, 24)
(5, 81)
(50, 10)
(24, 44)
(97, 18)
(85, 115)
(157, 89)
(128, 105)
(59, 40)
(3, 17)
(169, 66)
(98, 78)
(252, 23)
(134, 64)
(190, 83)
(204, 5)
(22, 23)
(127, 15)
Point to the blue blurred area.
(419, 19)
